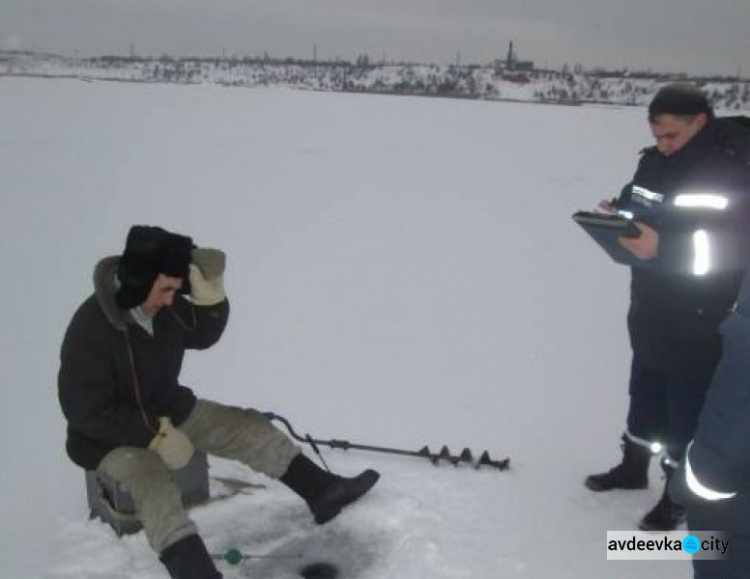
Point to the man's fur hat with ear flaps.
(150, 251)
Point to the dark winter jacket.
(108, 363)
(719, 456)
(675, 314)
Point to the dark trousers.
(730, 517)
(664, 408)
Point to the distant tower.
(512, 67)
(510, 60)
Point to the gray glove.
(211, 262)
(207, 277)
(172, 445)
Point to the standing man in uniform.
(713, 483)
(690, 198)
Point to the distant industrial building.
(511, 67)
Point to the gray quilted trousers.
(234, 433)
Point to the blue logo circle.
(691, 544)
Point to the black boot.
(325, 493)
(631, 473)
(666, 514)
(189, 559)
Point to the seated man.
(130, 418)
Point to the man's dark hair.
(679, 99)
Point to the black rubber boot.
(325, 493)
(631, 473)
(189, 559)
(666, 514)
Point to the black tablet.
(615, 223)
(607, 229)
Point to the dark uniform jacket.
(719, 456)
(115, 379)
(675, 314)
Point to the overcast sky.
(699, 36)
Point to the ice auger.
(445, 455)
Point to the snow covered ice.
(402, 272)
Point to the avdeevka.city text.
(665, 544)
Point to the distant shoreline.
(464, 83)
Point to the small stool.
(109, 502)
